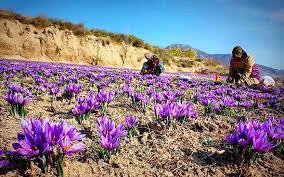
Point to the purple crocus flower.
(42, 136)
(80, 109)
(119, 130)
(179, 93)
(105, 97)
(255, 125)
(73, 89)
(277, 132)
(267, 125)
(176, 110)
(243, 142)
(130, 122)
(170, 96)
(246, 104)
(110, 142)
(232, 139)
(190, 111)
(92, 103)
(255, 134)
(281, 121)
(32, 145)
(205, 101)
(70, 131)
(216, 107)
(104, 125)
(55, 132)
(68, 148)
(81, 100)
(3, 162)
(162, 110)
(139, 97)
(17, 99)
(159, 97)
(261, 143)
(228, 102)
(242, 127)
(151, 91)
(110, 134)
(54, 90)
(126, 88)
(39, 88)
(15, 88)
(102, 86)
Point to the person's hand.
(239, 75)
(238, 82)
(229, 80)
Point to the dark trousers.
(236, 74)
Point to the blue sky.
(214, 26)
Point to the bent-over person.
(243, 69)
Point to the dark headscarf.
(239, 52)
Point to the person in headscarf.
(243, 69)
(152, 65)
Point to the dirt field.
(193, 148)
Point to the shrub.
(40, 22)
(80, 30)
(211, 62)
(185, 63)
(163, 54)
(190, 53)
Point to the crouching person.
(152, 65)
(243, 69)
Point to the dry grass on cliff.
(42, 21)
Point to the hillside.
(225, 59)
(44, 39)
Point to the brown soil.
(158, 150)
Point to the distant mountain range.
(225, 59)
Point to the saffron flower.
(72, 90)
(110, 133)
(261, 143)
(130, 122)
(110, 142)
(54, 90)
(105, 97)
(17, 99)
(246, 104)
(258, 136)
(68, 148)
(48, 141)
(282, 121)
(277, 132)
(228, 102)
(3, 161)
(162, 110)
(84, 108)
(17, 103)
(175, 110)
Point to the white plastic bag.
(267, 80)
(184, 77)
